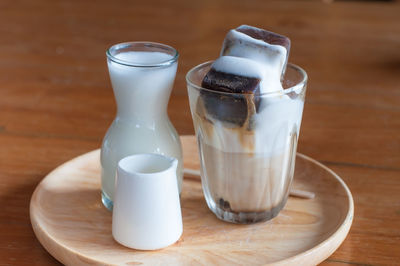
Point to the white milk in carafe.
(142, 124)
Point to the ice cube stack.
(252, 61)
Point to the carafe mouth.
(116, 49)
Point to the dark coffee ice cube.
(237, 102)
(266, 36)
(257, 44)
(252, 62)
(230, 83)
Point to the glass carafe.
(142, 75)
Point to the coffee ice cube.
(230, 76)
(252, 62)
(270, 49)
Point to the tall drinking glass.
(247, 166)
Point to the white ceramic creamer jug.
(147, 213)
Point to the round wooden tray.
(71, 223)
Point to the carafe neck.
(142, 92)
(136, 104)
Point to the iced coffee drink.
(247, 107)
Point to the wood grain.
(56, 100)
(73, 225)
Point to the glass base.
(107, 202)
(247, 217)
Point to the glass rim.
(162, 63)
(301, 84)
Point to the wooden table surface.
(56, 100)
